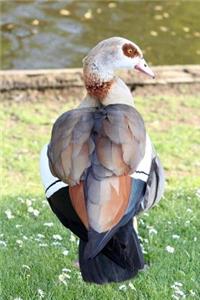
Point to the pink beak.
(144, 68)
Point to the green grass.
(173, 124)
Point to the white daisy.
(48, 224)
(19, 242)
(131, 286)
(3, 243)
(170, 249)
(41, 293)
(152, 231)
(57, 237)
(123, 287)
(9, 214)
(66, 270)
(175, 236)
(65, 252)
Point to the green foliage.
(32, 256)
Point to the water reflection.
(57, 34)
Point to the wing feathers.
(78, 202)
(120, 142)
(112, 139)
(71, 145)
(99, 147)
(111, 200)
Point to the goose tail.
(120, 260)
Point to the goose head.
(108, 56)
(116, 53)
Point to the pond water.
(58, 34)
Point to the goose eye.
(129, 50)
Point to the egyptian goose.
(100, 168)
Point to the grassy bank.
(38, 254)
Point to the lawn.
(37, 253)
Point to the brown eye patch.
(130, 51)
